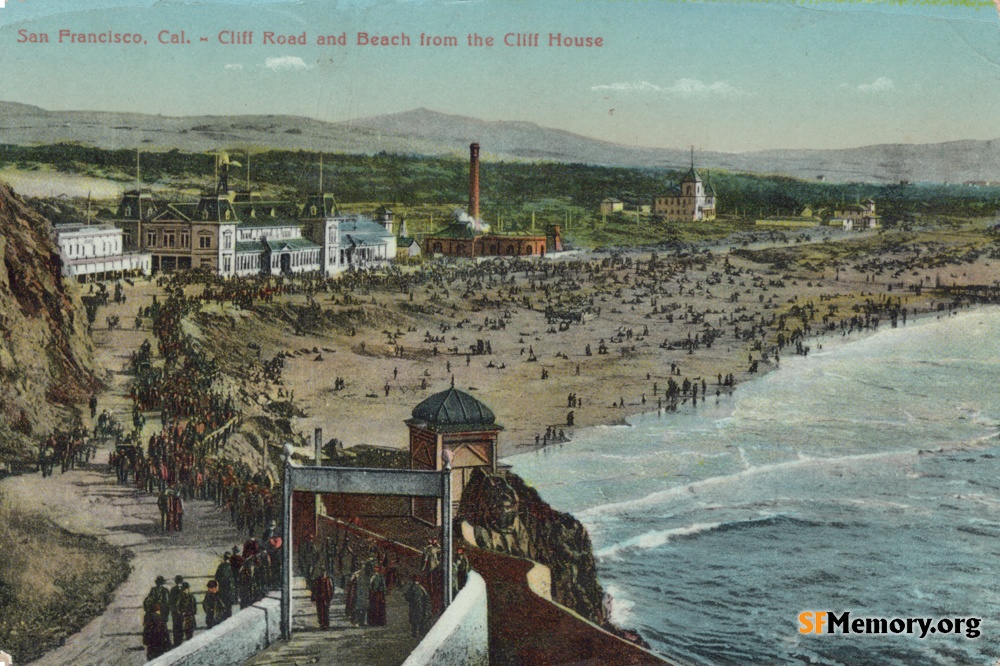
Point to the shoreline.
(834, 343)
(980, 442)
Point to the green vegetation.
(52, 582)
(426, 190)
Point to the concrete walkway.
(343, 644)
(89, 501)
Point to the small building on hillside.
(407, 246)
(611, 205)
(692, 200)
(856, 216)
(455, 425)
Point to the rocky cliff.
(46, 357)
(509, 516)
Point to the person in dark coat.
(236, 560)
(308, 557)
(158, 596)
(215, 609)
(322, 594)
(226, 580)
(419, 606)
(163, 503)
(175, 616)
(245, 583)
(187, 608)
(462, 568)
(155, 636)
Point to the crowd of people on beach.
(646, 296)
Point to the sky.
(727, 76)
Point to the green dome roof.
(453, 408)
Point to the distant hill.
(427, 132)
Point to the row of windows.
(89, 249)
(297, 259)
(462, 249)
(247, 262)
(360, 255)
(251, 262)
(169, 239)
(269, 232)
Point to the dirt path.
(90, 501)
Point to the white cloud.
(696, 88)
(881, 84)
(285, 62)
(629, 86)
(234, 66)
(680, 88)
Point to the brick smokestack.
(474, 181)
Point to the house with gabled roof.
(691, 200)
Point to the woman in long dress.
(376, 599)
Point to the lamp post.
(446, 527)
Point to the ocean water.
(863, 478)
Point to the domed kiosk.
(451, 424)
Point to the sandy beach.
(618, 330)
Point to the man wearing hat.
(225, 581)
(187, 608)
(215, 608)
(175, 616)
(158, 596)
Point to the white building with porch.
(271, 246)
(97, 250)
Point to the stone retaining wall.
(232, 642)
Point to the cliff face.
(510, 517)
(46, 357)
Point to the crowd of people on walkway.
(244, 576)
